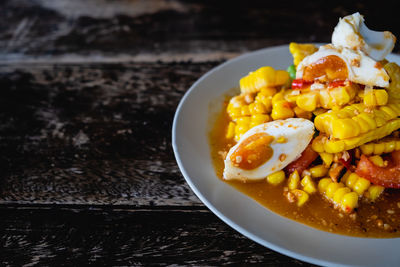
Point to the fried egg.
(267, 148)
(351, 32)
(332, 63)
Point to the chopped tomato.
(385, 176)
(302, 163)
(348, 162)
(300, 84)
(336, 83)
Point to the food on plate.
(320, 141)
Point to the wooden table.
(88, 91)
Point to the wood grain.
(92, 133)
(125, 237)
(171, 29)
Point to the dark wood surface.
(88, 91)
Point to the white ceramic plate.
(192, 152)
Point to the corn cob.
(327, 98)
(263, 77)
(355, 119)
(380, 147)
(375, 97)
(323, 144)
(393, 71)
(300, 51)
(342, 197)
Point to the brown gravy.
(380, 219)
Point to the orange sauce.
(380, 219)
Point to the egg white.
(361, 68)
(298, 133)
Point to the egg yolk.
(253, 151)
(330, 68)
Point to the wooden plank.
(58, 237)
(168, 29)
(94, 133)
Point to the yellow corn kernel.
(301, 196)
(293, 181)
(230, 132)
(351, 180)
(377, 160)
(301, 113)
(323, 184)
(278, 97)
(345, 128)
(331, 189)
(375, 97)
(234, 111)
(374, 191)
(318, 171)
(242, 126)
(307, 101)
(300, 51)
(258, 119)
(263, 77)
(245, 111)
(349, 202)
(257, 108)
(327, 158)
(276, 177)
(361, 185)
(267, 91)
(339, 194)
(281, 110)
(308, 185)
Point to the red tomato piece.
(388, 177)
(336, 83)
(300, 164)
(300, 84)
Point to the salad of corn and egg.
(328, 125)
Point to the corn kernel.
(281, 110)
(377, 160)
(307, 101)
(230, 133)
(339, 194)
(352, 180)
(276, 177)
(245, 111)
(294, 179)
(301, 113)
(258, 119)
(327, 158)
(267, 91)
(361, 185)
(374, 191)
(278, 97)
(331, 189)
(257, 108)
(301, 196)
(308, 185)
(349, 202)
(323, 184)
(318, 171)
